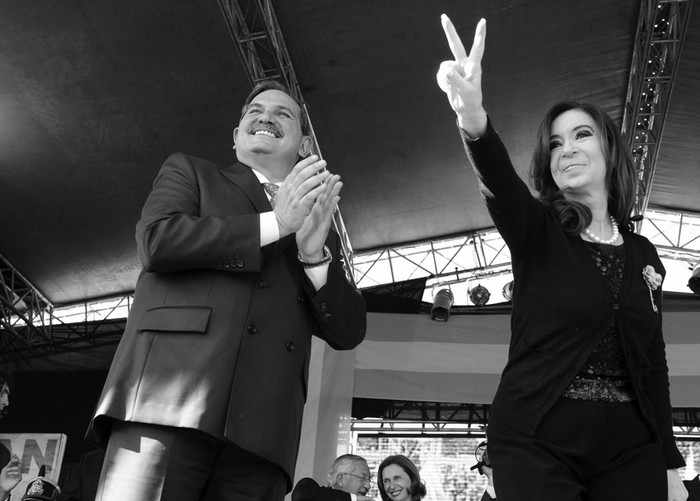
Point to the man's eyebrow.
(274, 107)
(286, 108)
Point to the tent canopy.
(94, 95)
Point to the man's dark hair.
(5, 378)
(277, 85)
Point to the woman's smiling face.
(397, 483)
(577, 160)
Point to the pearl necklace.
(611, 240)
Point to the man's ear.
(235, 136)
(340, 480)
(305, 147)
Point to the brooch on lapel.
(653, 281)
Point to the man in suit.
(349, 479)
(205, 395)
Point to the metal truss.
(51, 331)
(444, 418)
(686, 422)
(661, 30)
(23, 310)
(675, 234)
(258, 39)
(474, 254)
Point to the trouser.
(582, 450)
(146, 462)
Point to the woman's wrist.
(474, 124)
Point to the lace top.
(604, 375)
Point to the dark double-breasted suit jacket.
(219, 334)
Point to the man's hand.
(313, 232)
(676, 488)
(461, 79)
(298, 193)
(10, 476)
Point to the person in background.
(348, 479)
(398, 479)
(81, 483)
(10, 472)
(582, 410)
(205, 395)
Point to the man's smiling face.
(271, 126)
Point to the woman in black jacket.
(583, 409)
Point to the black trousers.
(146, 462)
(581, 451)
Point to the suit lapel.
(242, 176)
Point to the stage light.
(442, 303)
(479, 295)
(508, 291)
(694, 281)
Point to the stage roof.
(94, 95)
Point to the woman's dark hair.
(277, 85)
(417, 490)
(620, 175)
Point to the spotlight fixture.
(508, 291)
(694, 281)
(479, 295)
(442, 303)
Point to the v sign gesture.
(461, 79)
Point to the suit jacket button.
(252, 329)
(262, 284)
(300, 300)
(290, 346)
(240, 263)
(227, 266)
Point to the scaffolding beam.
(661, 30)
(23, 310)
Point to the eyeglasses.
(363, 478)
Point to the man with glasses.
(349, 479)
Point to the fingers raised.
(453, 39)
(477, 51)
(460, 54)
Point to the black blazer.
(562, 305)
(219, 335)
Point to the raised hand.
(460, 79)
(313, 232)
(10, 475)
(297, 194)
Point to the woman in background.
(398, 479)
